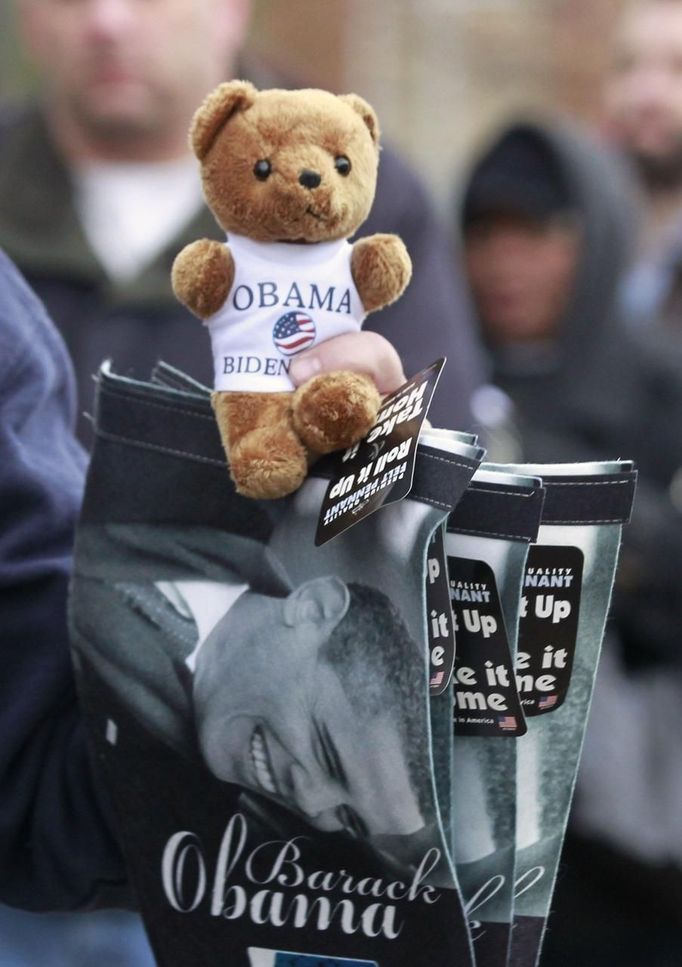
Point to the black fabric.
(514, 517)
(435, 474)
(594, 500)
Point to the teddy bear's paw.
(202, 276)
(381, 270)
(268, 463)
(334, 410)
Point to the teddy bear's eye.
(262, 169)
(342, 165)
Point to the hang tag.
(548, 627)
(441, 632)
(486, 701)
(379, 469)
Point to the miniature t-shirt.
(285, 298)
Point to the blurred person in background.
(99, 192)
(643, 117)
(548, 222)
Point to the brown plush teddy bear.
(289, 175)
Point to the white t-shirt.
(130, 211)
(285, 298)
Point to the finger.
(360, 352)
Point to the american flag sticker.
(507, 722)
(437, 679)
(548, 701)
(293, 333)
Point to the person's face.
(273, 717)
(643, 92)
(521, 273)
(130, 66)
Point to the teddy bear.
(289, 175)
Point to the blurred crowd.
(555, 290)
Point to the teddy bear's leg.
(266, 457)
(334, 410)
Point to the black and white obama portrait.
(286, 691)
(310, 694)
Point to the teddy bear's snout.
(309, 178)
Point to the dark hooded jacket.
(600, 393)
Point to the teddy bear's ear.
(366, 112)
(219, 106)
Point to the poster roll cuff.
(245, 850)
(437, 447)
(567, 590)
(486, 542)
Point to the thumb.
(359, 352)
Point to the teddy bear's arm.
(381, 270)
(202, 276)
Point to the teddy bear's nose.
(309, 179)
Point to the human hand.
(359, 352)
